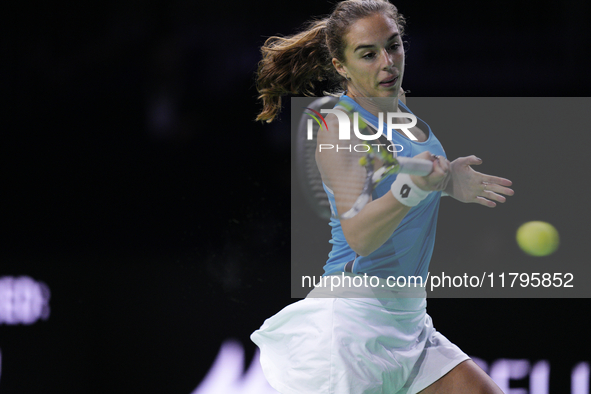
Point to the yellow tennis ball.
(537, 238)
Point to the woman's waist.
(390, 293)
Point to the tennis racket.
(311, 181)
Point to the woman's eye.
(369, 55)
(394, 46)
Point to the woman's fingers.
(493, 196)
(443, 163)
(493, 192)
(437, 179)
(497, 180)
(498, 188)
(441, 173)
(485, 202)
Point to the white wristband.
(405, 191)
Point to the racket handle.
(413, 166)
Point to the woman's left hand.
(467, 185)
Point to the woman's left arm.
(467, 185)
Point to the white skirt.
(356, 345)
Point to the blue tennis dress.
(364, 340)
(408, 251)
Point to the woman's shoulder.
(330, 132)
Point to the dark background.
(138, 187)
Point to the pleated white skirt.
(375, 341)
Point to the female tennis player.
(366, 339)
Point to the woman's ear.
(339, 67)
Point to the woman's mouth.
(389, 82)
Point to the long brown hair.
(296, 64)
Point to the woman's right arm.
(341, 172)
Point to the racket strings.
(313, 176)
(348, 183)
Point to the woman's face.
(374, 58)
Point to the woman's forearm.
(377, 221)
